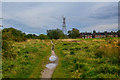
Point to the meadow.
(78, 58)
(88, 58)
(28, 59)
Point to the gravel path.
(47, 72)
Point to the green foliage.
(20, 57)
(74, 33)
(72, 53)
(30, 59)
(94, 31)
(119, 43)
(7, 49)
(32, 36)
(9, 35)
(13, 34)
(88, 58)
(99, 53)
(55, 34)
(42, 36)
(118, 32)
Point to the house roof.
(109, 33)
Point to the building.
(98, 35)
(85, 35)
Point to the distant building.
(85, 35)
(98, 35)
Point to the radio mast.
(64, 29)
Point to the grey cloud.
(106, 12)
(38, 17)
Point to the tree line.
(11, 35)
(17, 35)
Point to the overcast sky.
(37, 17)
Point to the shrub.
(91, 73)
(85, 47)
(107, 75)
(103, 69)
(79, 66)
(71, 49)
(65, 44)
(7, 49)
(88, 50)
(85, 68)
(118, 43)
(72, 53)
(114, 60)
(77, 48)
(75, 60)
(65, 48)
(99, 53)
(107, 69)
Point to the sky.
(37, 17)
(0, 13)
(59, 0)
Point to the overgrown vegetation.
(23, 56)
(11, 35)
(88, 58)
(74, 33)
(56, 34)
(28, 59)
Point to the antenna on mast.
(64, 29)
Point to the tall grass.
(31, 56)
(89, 58)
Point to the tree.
(74, 33)
(32, 36)
(94, 31)
(55, 34)
(13, 34)
(9, 36)
(106, 33)
(42, 36)
(118, 32)
(29, 36)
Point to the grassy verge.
(30, 58)
(89, 58)
(60, 72)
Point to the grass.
(88, 58)
(31, 57)
(61, 72)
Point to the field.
(88, 58)
(78, 58)
(30, 58)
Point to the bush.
(12, 34)
(72, 53)
(79, 66)
(114, 60)
(65, 44)
(107, 75)
(99, 54)
(55, 34)
(7, 49)
(118, 43)
(77, 48)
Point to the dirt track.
(47, 73)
